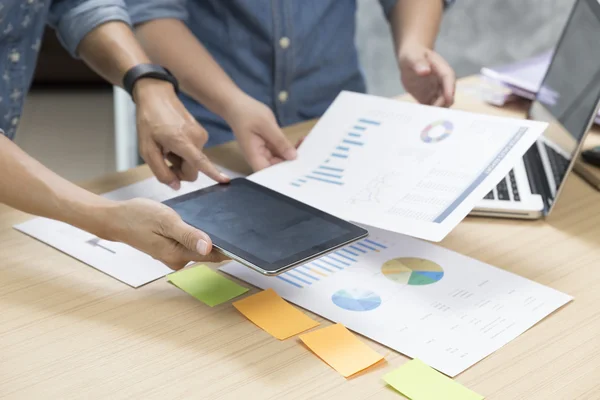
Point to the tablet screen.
(262, 226)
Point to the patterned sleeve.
(74, 19)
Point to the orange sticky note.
(275, 315)
(341, 349)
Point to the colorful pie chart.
(356, 299)
(412, 271)
(437, 131)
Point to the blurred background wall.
(474, 33)
(68, 119)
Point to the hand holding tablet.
(261, 228)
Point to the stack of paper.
(523, 78)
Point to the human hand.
(166, 130)
(258, 133)
(157, 230)
(427, 76)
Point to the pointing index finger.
(446, 75)
(197, 159)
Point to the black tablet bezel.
(355, 232)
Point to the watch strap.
(147, 71)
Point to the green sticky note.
(418, 381)
(206, 285)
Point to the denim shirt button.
(283, 96)
(15, 56)
(284, 42)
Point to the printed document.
(422, 300)
(118, 260)
(403, 167)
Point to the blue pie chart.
(356, 299)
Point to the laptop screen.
(570, 91)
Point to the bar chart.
(317, 270)
(331, 170)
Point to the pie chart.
(437, 131)
(412, 271)
(356, 299)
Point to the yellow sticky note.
(418, 381)
(341, 349)
(275, 315)
(206, 285)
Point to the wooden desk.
(68, 331)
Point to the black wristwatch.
(148, 71)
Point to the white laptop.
(568, 100)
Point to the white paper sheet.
(420, 299)
(118, 260)
(402, 167)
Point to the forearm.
(416, 22)
(171, 44)
(30, 187)
(111, 50)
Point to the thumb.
(277, 141)
(156, 161)
(191, 238)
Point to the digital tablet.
(261, 228)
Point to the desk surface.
(69, 331)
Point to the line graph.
(381, 187)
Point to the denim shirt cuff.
(76, 23)
(145, 11)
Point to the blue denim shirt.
(293, 55)
(22, 25)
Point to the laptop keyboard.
(558, 164)
(504, 188)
